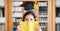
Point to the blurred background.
(17, 11)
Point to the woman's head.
(29, 16)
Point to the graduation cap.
(28, 5)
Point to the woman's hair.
(28, 13)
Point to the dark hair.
(27, 13)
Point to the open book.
(29, 26)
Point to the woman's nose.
(28, 20)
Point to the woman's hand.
(20, 28)
(36, 28)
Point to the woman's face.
(29, 18)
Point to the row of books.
(18, 12)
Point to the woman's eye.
(26, 19)
(30, 19)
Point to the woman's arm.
(40, 28)
(18, 28)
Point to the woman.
(29, 16)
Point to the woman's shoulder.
(40, 28)
(18, 27)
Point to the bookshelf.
(1, 27)
(17, 8)
(8, 15)
(43, 15)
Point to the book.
(29, 26)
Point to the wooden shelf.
(43, 16)
(43, 21)
(27, 0)
(2, 23)
(43, 6)
(18, 17)
(1, 6)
